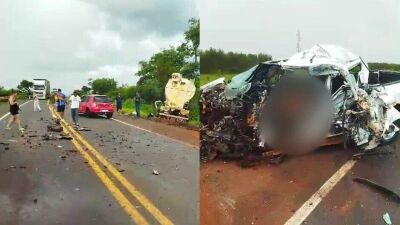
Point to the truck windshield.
(102, 99)
(38, 87)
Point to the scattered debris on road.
(155, 172)
(386, 218)
(359, 155)
(379, 188)
(82, 129)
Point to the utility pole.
(298, 41)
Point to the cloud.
(68, 41)
(369, 28)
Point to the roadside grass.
(128, 107)
(206, 78)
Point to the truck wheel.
(109, 115)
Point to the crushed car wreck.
(364, 102)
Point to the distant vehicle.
(41, 87)
(96, 105)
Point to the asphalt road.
(61, 182)
(297, 191)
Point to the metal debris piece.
(359, 155)
(386, 218)
(378, 187)
(82, 129)
(155, 172)
(59, 146)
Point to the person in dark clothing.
(137, 104)
(119, 102)
(60, 99)
(14, 111)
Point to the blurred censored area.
(297, 115)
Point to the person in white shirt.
(36, 106)
(74, 100)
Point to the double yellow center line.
(80, 143)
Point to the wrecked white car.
(364, 101)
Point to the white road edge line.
(305, 210)
(161, 135)
(5, 115)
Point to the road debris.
(82, 129)
(369, 153)
(386, 218)
(379, 188)
(155, 172)
(48, 137)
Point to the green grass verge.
(128, 107)
(206, 78)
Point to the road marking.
(152, 132)
(305, 210)
(5, 115)
(122, 200)
(160, 217)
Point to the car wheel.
(389, 137)
(109, 115)
(88, 113)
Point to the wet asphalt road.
(271, 194)
(45, 184)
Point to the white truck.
(41, 87)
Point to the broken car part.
(379, 188)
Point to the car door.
(83, 104)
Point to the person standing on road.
(14, 111)
(74, 100)
(137, 104)
(36, 105)
(119, 103)
(60, 99)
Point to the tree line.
(218, 61)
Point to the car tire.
(88, 113)
(109, 115)
(389, 138)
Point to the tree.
(192, 37)
(25, 86)
(217, 61)
(161, 65)
(104, 85)
(85, 89)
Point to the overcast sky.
(69, 41)
(369, 28)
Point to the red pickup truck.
(96, 105)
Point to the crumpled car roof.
(322, 54)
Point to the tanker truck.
(178, 92)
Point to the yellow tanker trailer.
(178, 93)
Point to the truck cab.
(41, 87)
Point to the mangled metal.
(364, 102)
